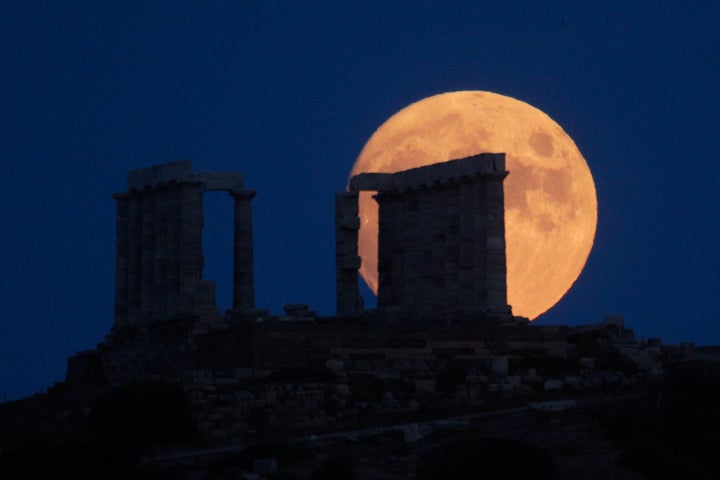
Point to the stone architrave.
(159, 260)
(441, 241)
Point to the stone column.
(388, 259)
(134, 257)
(243, 274)
(191, 257)
(347, 262)
(174, 207)
(495, 241)
(147, 282)
(160, 277)
(121, 259)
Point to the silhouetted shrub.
(677, 432)
(130, 418)
(334, 468)
(496, 458)
(284, 454)
(656, 461)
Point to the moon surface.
(550, 199)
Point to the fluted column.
(160, 273)
(134, 275)
(191, 257)
(174, 206)
(147, 253)
(495, 262)
(243, 274)
(121, 259)
(389, 263)
(347, 262)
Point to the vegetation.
(494, 458)
(677, 434)
(133, 418)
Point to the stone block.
(412, 433)
(552, 385)
(334, 364)
(371, 182)
(342, 389)
(587, 362)
(574, 382)
(426, 385)
(499, 365)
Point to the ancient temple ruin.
(249, 373)
(441, 244)
(159, 259)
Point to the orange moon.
(550, 199)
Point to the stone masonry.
(441, 244)
(159, 258)
(250, 374)
(347, 261)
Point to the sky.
(289, 92)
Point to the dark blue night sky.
(288, 93)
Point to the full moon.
(550, 199)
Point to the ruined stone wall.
(441, 241)
(159, 259)
(309, 377)
(281, 376)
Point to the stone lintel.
(372, 182)
(481, 164)
(181, 172)
(220, 181)
(164, 173)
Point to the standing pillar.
(243, 275)
(174, 207)
(495, 262)
(121, 259)
(347, 261)
(389, 261)
(134, 278)
(147, 289)
(161, 253)
(191, 258)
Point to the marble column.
(389, 262)
(147, 253)
(160, 272)
(134, 257)
(191, 257)
(174, 207)
(243, 274)
(495, 265)
(347, 262)
(121, 259)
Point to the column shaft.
(121, 260)
(174, 207)
(160, 274)
(148, 255)
(134, 257)
(243, 274)
(191, 258)
(347, 261)
(495, 263)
